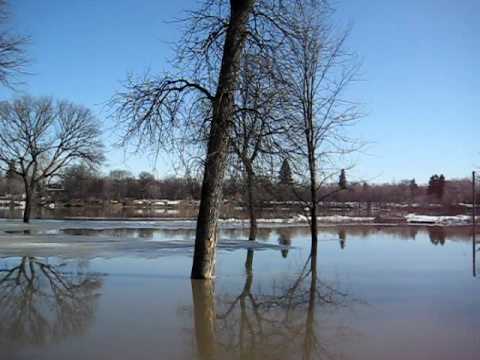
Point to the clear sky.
(420, 73)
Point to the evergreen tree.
(14, 181)
(413, 187)
(436, 186)
(432, 185)
(342, 181)
(441, 187)
(285, 175)
(10, 174)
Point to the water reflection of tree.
(403, 232)
(278, 324)
(285, 239)
(437, 235)
(203, 296)
(342, 237)
(39, 302)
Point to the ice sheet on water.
(70, 246)
(46, 238)
(170, 224)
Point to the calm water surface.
(373, 293)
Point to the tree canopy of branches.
(40, 137)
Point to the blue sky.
(420, 73)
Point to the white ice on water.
(45, 238)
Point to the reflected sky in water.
(372, 293)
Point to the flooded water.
(372, 293)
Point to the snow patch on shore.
(302, 219)
(438, 220)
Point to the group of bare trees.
(40, 137)
(81, 184)
(258, 82)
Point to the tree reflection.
(276, 324)
(203, 296)
(39, 302)
(342, 237)
(437, 235)
(413, 232)
(285, 239)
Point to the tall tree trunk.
(212, 194)
(29, 198)
(203, 297)
(251, 204)
(314, 225)
(313, 207)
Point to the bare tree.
(213, 102)
(217, 148)
(41, 137)
(259, 120)
(318, 70)
(198, 103)
(155, 106)
(12, 51)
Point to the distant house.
(54, 191)
(56, 187)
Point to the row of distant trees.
(81, 182)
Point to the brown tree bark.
(312, 165)
(313, 213)
(217, 149)
(29, 195)
(251, 205)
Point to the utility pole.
(474, 222)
